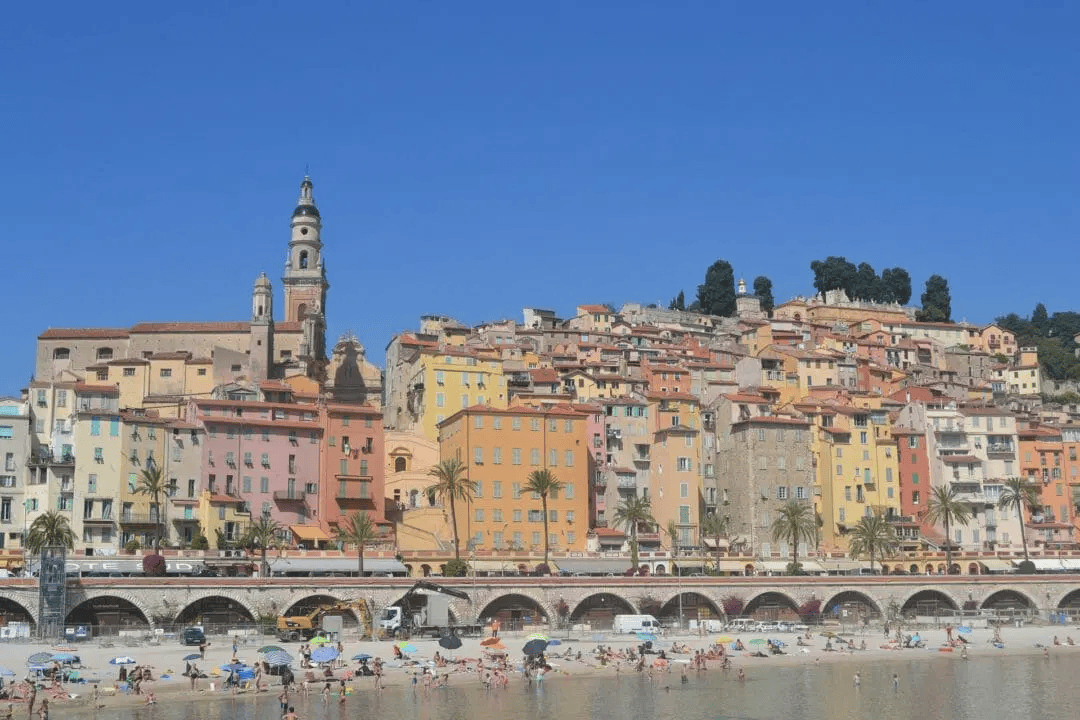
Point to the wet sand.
(171, 686)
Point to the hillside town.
(186, 434)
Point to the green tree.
(716, 296)
(864, 285)
(544, 484)
(833, 273)
(936, 301)
(50, 529)
(452, 486)
(672, 531)
(678, 302)
(1040, 321)
(895, 286)
(947, 509)
(873, 536)
(763, 289)
(795, 522)
(152, 483)
(632, 513)
(359, 530)
(1019, 495)
(262, 535)
(716, 527)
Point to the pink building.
(265, 458)
(353, 466)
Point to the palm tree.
(152, 483)
(359, 530)
(632, 512)
(452, 485)
(946, 508)
(796, 522)
(50, 529)
(716, 527)
(543, 483)
(262, 534)
(873, 536)
(1019, 494)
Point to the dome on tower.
(306, 210)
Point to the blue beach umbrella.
(233, 667)
(361, 656)
(64, 657)
(555, 641)
(963, 629)
(192, 657)
(122, 660)
(277, 658)
(324, 654)
(534, 647)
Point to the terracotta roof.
(191, 327)
(83, 333)
(595, 309)
(171, 356)
(86, 387)
(543, 375)
(773, 420)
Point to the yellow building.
(501, 448)
(857, 471)
(675, 490)
(452, 380)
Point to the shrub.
(542, 569)
(153, 564)
(1026, 568)
(733, 606)
(810, 608)
(561, 608)
(200, 543)
(456, 568)
(132, 546)
(794, 568)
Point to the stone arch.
(1008, 599)
(928, 602)
(659, 569)
(850, 606)
(15, 610)
(308, 603)
(78, 598)
(216, 609)
(107, 614)
(397, 596)
(974, 569)
(1070, 601)
(772, 605)
(516, 610)
(600, 609)
(695, 606)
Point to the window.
(914, 478)
(465, 400)
(841, 515)
(568, 426)
(478, 422)
(515, 490)
(99, 455)
(913, 441)
(800, 493)
(440, 400)
(684, 490)
(496, 515)
(245, 484)
(478, 489)
(568, 458)
(478, 516)
(95, 426)
(553, 458)
(515, 423)
(763, 462)
(781, 492)
(496, 456)
(264, 484)
(761, 434)
(915, 497)
(517, 519)
(440, 377)
(781, 463)
(496, 489)
(847, 493)
(568, 490)
(553, 515)
(478, 455)
(534, 424)
(165, 372)
(534, 457)
(683, 464)
(515, 456)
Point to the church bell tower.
(305, 279)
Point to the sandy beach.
(170, 685)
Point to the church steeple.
(305, 277)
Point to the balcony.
(99, 520)
(354, 493)
(138, 519)
(289, 495)
(949, 428)
(46, 457)
(627, 482)
(1000, 449)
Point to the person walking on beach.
(31, 698)
(895, 681)
(857, 680)
(948, 633)
(495, 625)
(290, 715)
(43, 713)
(202, 650)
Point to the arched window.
(301, 311)
(61, 354)
(400, 464)
(303, 260)
(104, 353)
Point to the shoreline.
(166, 660)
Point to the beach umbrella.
(497, 646)
(537, 636)
(450, 642)
(646, 637)
(406, 647)
(38, 658)
(534, 647)
(829, 634)
(964, 629)
(723, 640)
(271, 648)
(489, 641)
(64, 657)
(325, 654)
(277, 658)
(122, 660)
(192, 657)
(555, 641)
(318, 640)
(4, 672)
(233, 667)
(756, 641)
(361, 656)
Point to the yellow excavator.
(295, 628)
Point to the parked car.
(791, 627)
(193, 636)
(766, 626)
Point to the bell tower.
(261, 342)
(305, 279)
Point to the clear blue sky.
(472, 158)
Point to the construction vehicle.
(425, 610)
(294, 628)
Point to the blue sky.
(472, 158)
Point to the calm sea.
(930, 689)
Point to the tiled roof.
(83, 333)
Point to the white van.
(635, 623)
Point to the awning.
(1043, 563)
(1070, 564)
(594, 566)
(711, 542)
(499, 566)
(730, 566)
(309, 532)
(996, 565)
(317, 566)
(840, 565)
(772, 565)
(811, 566)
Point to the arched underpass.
(107, 615)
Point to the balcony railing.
(138, 519)
(289, 495)
(627, 482)
(46, 457)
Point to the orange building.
(1042, 461)
(500, 449)
(352, 464)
